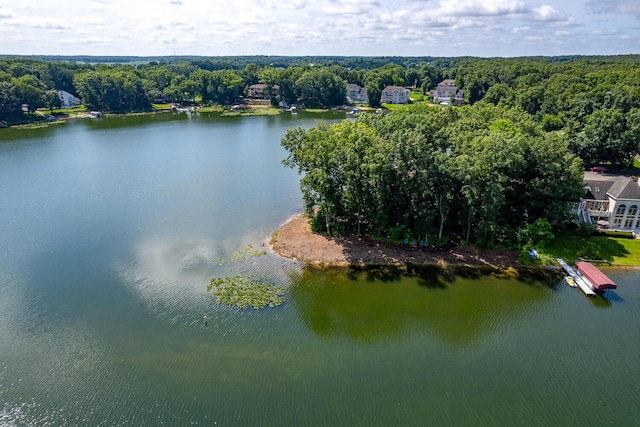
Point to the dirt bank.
(296, 240)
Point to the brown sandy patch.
(296, 240)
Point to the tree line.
(594, 100)
(480, 172)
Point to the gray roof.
(618, 187)
(597, 190)
(625, 188)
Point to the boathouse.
(598, 280)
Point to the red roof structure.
(598, 279)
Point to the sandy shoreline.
(295, 240)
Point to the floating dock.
(582, 284)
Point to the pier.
(582, 284)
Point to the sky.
(483, 28)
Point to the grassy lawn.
(211, 109)
(161, 106)
(393, 107)
(75, 110)
(617, 250)
(417, 96)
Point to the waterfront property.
(610, 201)
(395, 95)
(262, 91)
(356, 94)
(447, 93)
(68, 100)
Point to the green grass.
(417, 96)
(75, 110)
(271, 111)
(617, 250)
(211, 109)
(161, 106)
(394, 107)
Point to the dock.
(584, 287)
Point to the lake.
(112, 228)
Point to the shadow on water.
(458, 306)
(603, 300)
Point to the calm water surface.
(111, 229)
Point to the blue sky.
(320, 27)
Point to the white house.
(68, 100)
(611, 201)
(356, 94)
(395, 95)
(447, 92)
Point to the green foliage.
(585, 229)
(245, 291)
(590, 250)
(481, 172)
(537, 234)
(242, 254)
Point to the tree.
(321, 88)
(605, 139)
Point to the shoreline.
(295, 240)
(251, 111)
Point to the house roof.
(626, 188)
(597, 190)
(447, 82)
(603, 186)
(395, 89)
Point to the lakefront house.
(395, 95)
(447, 93)
(356, 94)
(610, 202)
(260, 91)
(68, 100)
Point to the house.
(68, 100)
(395, 95)
(447, 93)
(356, 94)
(261, 91)
(611, 201)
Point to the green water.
(111, 229)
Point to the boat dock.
(584, 287)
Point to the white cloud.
(481, 7)
(316, 27)
(548, 13)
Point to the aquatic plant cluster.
(245, 290)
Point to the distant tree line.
(594, 101)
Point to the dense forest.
(486, 171)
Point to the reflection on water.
(458, 306)
(114, 227)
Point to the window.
(617, 219)
(631, 217)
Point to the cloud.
(45, 22)
(625, 7)
(480, 8)
(176, 2)
(548, 13)
(6, 13)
